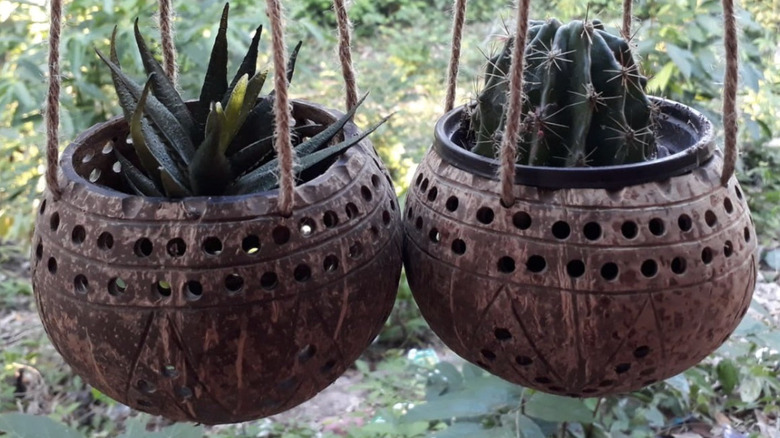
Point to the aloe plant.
(221, 144)
(584, 101)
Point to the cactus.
(584, 102)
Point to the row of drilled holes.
(592, 231)
(212, 245)
(537, 264)
(193, 289)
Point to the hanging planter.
(580, 281)
(216, 309)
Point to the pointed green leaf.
(209, 172)
(148, 143)
(164, 120)
(249, 64)
(291, 61)
(126, 99)
(16, 425)
(141, 183)
(323, 138)
(264, 177)
(231, 117)
(163, 88)
(215, 83)
(260, 151)
(173, 188)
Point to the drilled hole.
(728, 206)
(176, 247)
(706, 255)
(506, 265)
(679, 265)
(418, 180)
(738, 192)
(728, 248)
(710, 218)
(269, 281)
(163, 288)
(459, 246)
(108, 148)
(330, 264)
(54, 221)
(392, 205)
(212, 246)
(79, 235)
(39, 251)
(184, 392)
(306, 226)
(105, 241)
(352, 211)
(365, 192)
(251, 244)
(418, 223)
(302, 273)
(609, 271)
(424, 185)
(521, 220)
(536, 264)
(193, 289)
(575, 268)
(143, 247)
(432, 194)
(409, 213)
(629, 229)
(116, 286)
(328, 367)
(95, 175)
(649, 268)
(42, 208)
(523, 361)
(281, 235)
(146, 387)
(685, 222)
(561, 230)
(52, 265)
(452, 203)
(641, 352)
(502, 334)
(434, 235)
(485, 215)
(170, 372)
(657, 227)
(234, 283)
(746, 232)
(592, 231)
(330, 219)
(622, 368)
(306, 353)
(487, 354)
(81, 284)
(355, 250)
(375, 180)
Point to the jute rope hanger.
(282, 109)
(508, 147)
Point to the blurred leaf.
(136, 428)
(750, 390)
(682, 58)
(17, 425)
(772, 258)
(728, 375)
(527, 428)
(559, 409)
(680, 383)
(480, 397)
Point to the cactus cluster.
(584, 102)
(221, 144)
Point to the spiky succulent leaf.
(209, 172)
(215, 84)
(165, 121)
(264, 178)
(163, 88)
(322, 139)
(249, 64)
(260, 151)
(291, 61)
(137, 180)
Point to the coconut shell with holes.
(597, 280)
(215, 310)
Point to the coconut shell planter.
(215, 309)
(595, 280)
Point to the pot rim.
(68, 170)
(678, 116)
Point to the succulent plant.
(220, 144)
(584, 101)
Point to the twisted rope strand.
(166, 33)
(345, 53)
(53, 99)
(513, 124)
(283, 143)
(627, 13)
(457, 40)
(731, 81)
